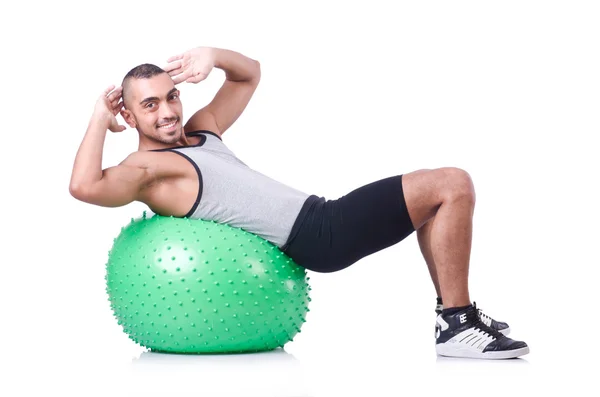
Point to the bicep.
(226, 107)
(120, 185)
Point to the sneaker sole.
(446, 350)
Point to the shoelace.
(487, 320)
(478, 324)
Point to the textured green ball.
(184, 285)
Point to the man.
(187, 171)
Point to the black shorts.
(330, 235)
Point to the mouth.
(168, 127)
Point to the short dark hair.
(143, 71)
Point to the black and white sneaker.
(464, 334)
(487, 320)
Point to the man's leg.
(425, 244)
(443, 201)
(424, 239)
(444, 198)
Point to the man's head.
(151, 103)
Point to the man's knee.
(459, 184)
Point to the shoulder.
(141, 159)
(160, 165)
(204, 121)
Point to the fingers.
(117, 108)
(197, 78)
(173, 64)
(175, 58)
(115, 95)
(173, 67)
(118, 128)
(182, 77)
(115, 102)
(109, 89)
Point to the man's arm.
(242, 77)
(114, 186)
(87, 168)
(119, 185)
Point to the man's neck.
(147, 144)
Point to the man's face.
(155, 108)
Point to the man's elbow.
(256, 77)
(81, 193)
(76, 191)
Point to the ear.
(128, 117)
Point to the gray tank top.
(231, 192)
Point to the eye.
(174, 96)
(148, 104)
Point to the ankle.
(451, 310)
(459, 301)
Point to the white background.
(351, 92)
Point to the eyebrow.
(153, 98)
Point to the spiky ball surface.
(184, 285)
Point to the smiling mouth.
(169, 126)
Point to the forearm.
(237, 67)
(87, 168)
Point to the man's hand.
(192, 66)
(108, 106)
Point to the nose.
(166, 114)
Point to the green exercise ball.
(184, 285)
